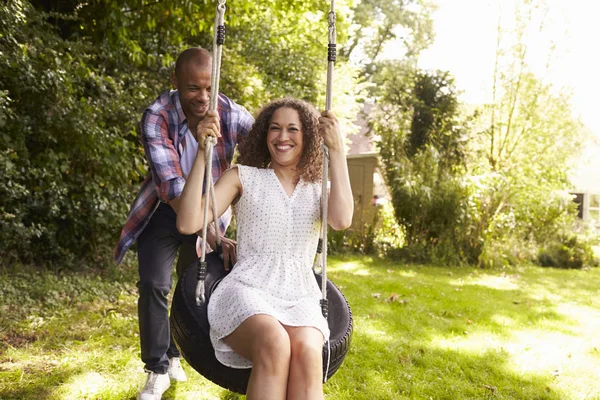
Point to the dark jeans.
(157, 247)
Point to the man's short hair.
(196, 55)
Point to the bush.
(336, 242)
(507, 250)
(568, 251)
(377, 238)
(74, 79)
(388, 234)
(69, 154)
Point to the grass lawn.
(421, 332)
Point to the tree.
(75, 77)
(421, 145)
(526, 140)
(491, 188)
(376, 23)
(68, 151)
(530, 137)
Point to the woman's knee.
(307, 348)
(272, 348)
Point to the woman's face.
(284, 137)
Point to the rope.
(331, 57)
(219, 39)
(322, 247)
(328, 361)
(323, 241)
(202, 267)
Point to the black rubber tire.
(189, 325)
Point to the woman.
(265, 314)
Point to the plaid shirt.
(162, 131)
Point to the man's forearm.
(211, 236)
(175, 204)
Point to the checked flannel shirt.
(162, 130)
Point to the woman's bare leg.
(305, 381)
(264, 341)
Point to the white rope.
(208, 150)
(219, 38)
(328, 100)
(324, 195)
(328, 360)
(331, 55)
(324, 210)
(217, 53)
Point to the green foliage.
(528, 138)
(422, 146)
(75, 76)
(377, 238)
(278, 37)
(491, 189)
(361, 241)
(336, 242)
(526, 154)
(568, 251)
(74, 79)
(377, 23)
(69, 149)
(388, 234)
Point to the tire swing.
(189, 318)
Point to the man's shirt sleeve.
(244, 122)
(162, 156)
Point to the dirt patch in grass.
(16, 339)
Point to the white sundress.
(277, 237)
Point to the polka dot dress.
(277, 238)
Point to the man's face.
(193, 83)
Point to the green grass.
(420, 333)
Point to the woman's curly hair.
(255, 153)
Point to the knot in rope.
(220, 28)
(209, 140)
(332, 29)
(331, 19)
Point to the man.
(168, 132)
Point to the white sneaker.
(155, 386)
(175, 371)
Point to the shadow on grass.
(422, 372)
(420, 333)
(424, 332)
(463, 297)
(35, 382)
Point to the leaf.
(393, 297)
(404, 360)
(492, 389)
